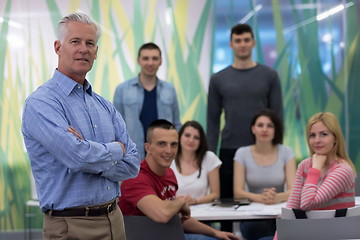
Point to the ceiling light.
(330, 12)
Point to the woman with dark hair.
(266, 168)
(196, 169)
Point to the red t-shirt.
(146, 183)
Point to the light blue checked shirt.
(70, 172)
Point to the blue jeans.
(256, 229)
(191, 236)
(267, 238)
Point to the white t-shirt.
(192, 185)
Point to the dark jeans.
(226, 180)
(256, 229)
(192, 236)
(227, 172)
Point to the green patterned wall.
(316, 59)
(182, 29)
(317, 67)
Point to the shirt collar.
(137, 82)
(67, 84)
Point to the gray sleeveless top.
(259, 177)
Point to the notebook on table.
(231, 202)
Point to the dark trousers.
(258, 229)
(226, 180)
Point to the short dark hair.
(149, 45)
(203, 147)
(279, 129)
(240, 29)
(159, 123)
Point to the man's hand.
(73, 131)
(225, 235)
(318, 161)
(185, 210)
(123, 147)
(189, 200)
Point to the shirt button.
(95, 126)
(79, 87)
(108, 188)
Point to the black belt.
(84, 211)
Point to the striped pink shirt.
(334, 190)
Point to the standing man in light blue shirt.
(146, 98)
(77, 143)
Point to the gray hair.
(75, 17)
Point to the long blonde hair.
(331, 122)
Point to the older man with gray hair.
(77, 143)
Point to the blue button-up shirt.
(129, 99)
(70, 172)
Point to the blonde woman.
(326, 180)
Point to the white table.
(29, 214)
(207, 212)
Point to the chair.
(287, 213)
(319, 224)
(357, 185)
(142, 227)
(29, 214)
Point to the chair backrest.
(319, 225)
(144, 228)
(34, 195)
(357, 185)
(287, 213)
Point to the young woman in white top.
(196, 169)
(267, 168)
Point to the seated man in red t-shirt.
(152, 193)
